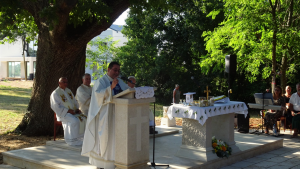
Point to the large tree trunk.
(61, 52)
(54, 60)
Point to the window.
(14, 69)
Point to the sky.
(121, 19)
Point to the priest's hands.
(77, 111)
(114, 83)
(71, 111)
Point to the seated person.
(151, 115)
(65, 106)
(288, 114)
(84, 93)
(295, 110)
(272, 115)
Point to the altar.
(200, 124)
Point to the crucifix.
(207, 92)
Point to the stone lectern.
(131, 130)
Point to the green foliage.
(248, 30)
(99, 54)
(165, 46)
(22, 17)
(15, 22)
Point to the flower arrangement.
(220, 148)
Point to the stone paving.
(287, 157)
(166, 147)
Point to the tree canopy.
(265, 35)
(99, 54)
(63, 28)
(165, 46)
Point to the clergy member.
(99, 137)
(65, 106)
(131, 84)
(83, 94)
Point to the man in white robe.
(84, 93)
(131, 84)
(99, 138)
(65, 106)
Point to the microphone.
(124, 78)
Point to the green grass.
(13, 104)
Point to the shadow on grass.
(15, 103)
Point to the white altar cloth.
(201, 114)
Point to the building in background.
(12, 62)
(115, 33)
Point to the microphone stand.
(153, 162)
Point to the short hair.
(131, 77)
(297, 84)
(177, 85)
(86, 74)
(61, 78)
(111, 65)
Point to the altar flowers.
(220, 148)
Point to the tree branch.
(88, 30)
(64, 9)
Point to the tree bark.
(283, 72)
(284, 60)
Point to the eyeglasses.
(116, 70)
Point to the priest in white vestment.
(131, 84)
(83, 94)
(99, 137)
(65, 106)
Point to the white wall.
(11, 50)
(3, 69)
(120, 37)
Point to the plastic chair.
(56, 123)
